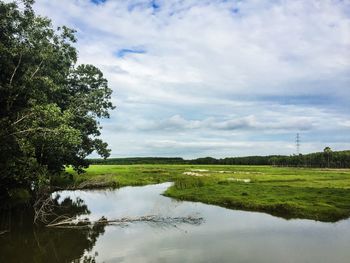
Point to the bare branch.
(22, 118)
(43, 208)
(37, 69)
(15, 70)
(34, 130)
(73, 222)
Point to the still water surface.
(224, 235)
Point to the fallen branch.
(66, 220)
(83, 223)
(43, 208)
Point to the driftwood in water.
(43, 208)
(167, 221)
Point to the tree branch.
(16, 68)
(33, 130)
(37, 69)
(21, 119)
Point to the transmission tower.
(297, 143)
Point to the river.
(223, 236)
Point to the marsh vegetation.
(319, 194)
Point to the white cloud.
(255, 70)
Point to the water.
(224, 235)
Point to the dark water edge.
(224, 236)
(23, 241)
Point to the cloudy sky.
(217, 78)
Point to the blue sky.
(217, 78)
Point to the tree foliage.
(327, 158)
(49, 105)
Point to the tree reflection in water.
(26, 242)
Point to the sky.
(217, 78)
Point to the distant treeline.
(140, 160)
(325, 159)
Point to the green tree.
(328, 153)
(49, 106)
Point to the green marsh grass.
(319, 194)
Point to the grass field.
(319, 194)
